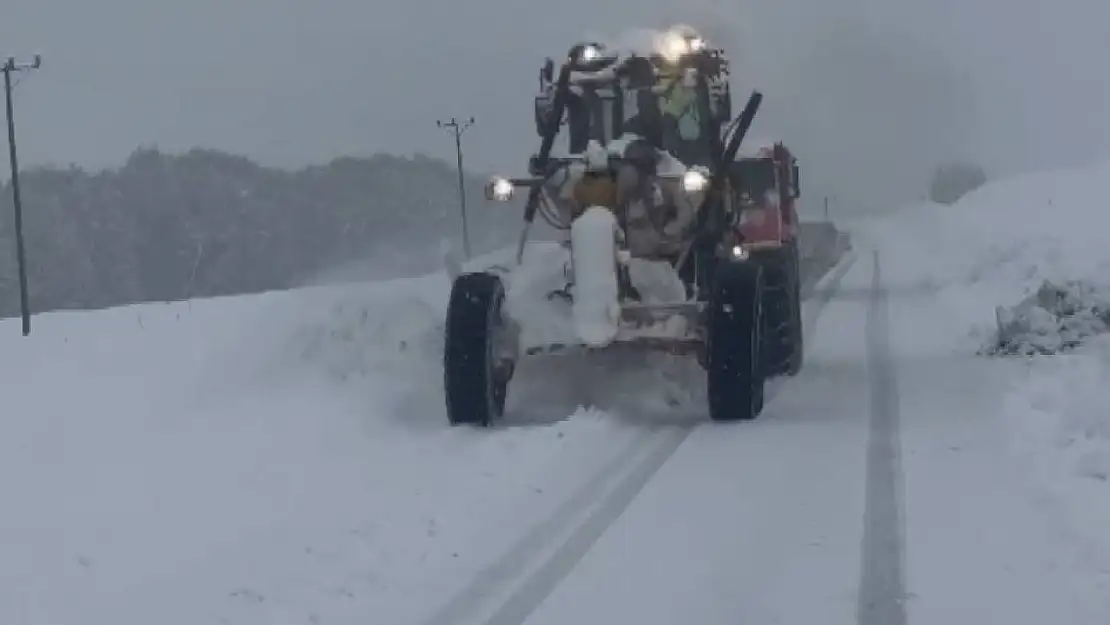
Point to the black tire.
(475, 384)
(782, 315)
(734, 329)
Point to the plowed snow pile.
(1058, 317)
(1023, 268)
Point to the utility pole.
(9, 68)
(827, 198)
(458, 128)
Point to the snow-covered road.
(284, 458)
(876, 490)
(738, 523)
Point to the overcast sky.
(870, 92)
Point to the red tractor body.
(765, 188)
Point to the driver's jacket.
(653, 213)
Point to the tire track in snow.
(599, 504)
(532, 592)
(539, 585)
(882, 574)
(513, 563)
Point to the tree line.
(203, 223)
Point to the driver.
(681, 126)
(653, 212)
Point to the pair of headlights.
(503, 189)
(671, 46)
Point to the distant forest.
(170, 227)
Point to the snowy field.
(284, 458)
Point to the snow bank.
(995, 247)
(1056, 318)
(1029, 256)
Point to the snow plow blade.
(676, 346)
(643, 327)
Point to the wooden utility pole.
(9, 68)
(458, 128)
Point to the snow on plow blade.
(643, 327)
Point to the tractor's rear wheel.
(783, 311)
(734, 329)
(475, 375)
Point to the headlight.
(499, 190)
(739, 253)
(694, 181)
(673, 46)
(589, 53)
(676, 44)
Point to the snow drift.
(1022, 267)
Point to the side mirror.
(543, 110)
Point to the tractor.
(644, 128)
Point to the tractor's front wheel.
(477, 359)
(734, 337)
